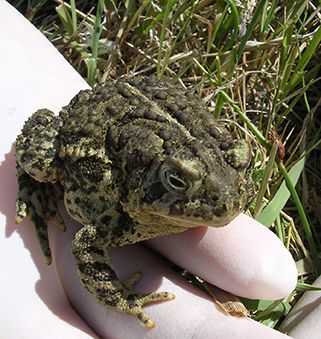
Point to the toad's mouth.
(190, 221)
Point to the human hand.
(244, 257)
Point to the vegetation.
(255, 63)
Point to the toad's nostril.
(213, 198)
(220, 211)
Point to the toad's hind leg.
(99, 278)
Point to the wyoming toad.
(134, 159)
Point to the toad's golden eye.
(174, 181)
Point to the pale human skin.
(244, 257)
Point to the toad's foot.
(143, 299)
(99, 278)
(133, 304)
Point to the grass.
(258, 67)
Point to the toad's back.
(110, 114)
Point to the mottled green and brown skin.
(134, 159)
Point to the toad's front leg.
(98, 277)
(38, 200)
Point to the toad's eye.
(173, 180)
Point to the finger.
(304, 319)
(244, 258)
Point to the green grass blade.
(92, 62)
(65, 18)
(160, 66)
(243, 116)
(73, 15)
(238, 52)
(307, 55)
(303, 287)
(269, 214)
(235, 22)
(303, 217)
(266, 177)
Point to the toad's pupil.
(177, 182)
